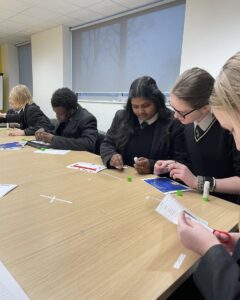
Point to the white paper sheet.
(170, 208)
(52, 151)
(6, 188)
(9, 288)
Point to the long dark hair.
(142, 87)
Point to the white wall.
(211, 33)
(104, 112)
(51, 65)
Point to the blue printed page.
(166, 185)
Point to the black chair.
(101, 136)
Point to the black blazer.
(80, 133)
(218, 274)
(168, 140)
(31, 118)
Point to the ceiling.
(19, 19)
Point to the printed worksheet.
(87, 167)
(170, 209)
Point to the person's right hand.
(116, 161)
(38, 134)
(194, 236)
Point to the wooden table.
(109, 243)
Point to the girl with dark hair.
(212, 151)
(144, 130)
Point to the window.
(25, 65)
(109, 56)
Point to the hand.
(180, 171)
(46, 137)
(161, 166)
(194, 236)
(16, 132)
(2, 115)
(142, 165)
(229, 246)
(117, 161)
(38, 134)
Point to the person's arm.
(108, 147)
(218, 274)
(86, 140)
(36, 119)
(11, 117)
(230, 185)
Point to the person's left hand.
(182, 172)
(194, 236)
(142, 165)
(16, 132)
(46, 137)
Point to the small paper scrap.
(179, 261)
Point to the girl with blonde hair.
(218, 274)
(24, 112)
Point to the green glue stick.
(206, 188)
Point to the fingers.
(116, 161)
(163, 166)
(142, 165)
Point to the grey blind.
(108, 57)
(25, 65)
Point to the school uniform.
(218, 274)
(160, 139)
(78, 133)
(212, 152)
(30, 118)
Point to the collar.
(205, 123)
(149, 121)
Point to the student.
(218, 274)
(212, 151)
(25, 112)
(76, 128)
(144, 130)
